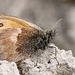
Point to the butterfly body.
(19, 42)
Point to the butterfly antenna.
(56, 23)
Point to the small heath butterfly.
(20, 39)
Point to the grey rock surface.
(8, 68)
(49, 64)
(63, 63)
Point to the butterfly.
(19, 39)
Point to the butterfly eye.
(1, 25)
(51, 34)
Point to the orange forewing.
(10, 21)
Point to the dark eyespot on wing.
(1, 25)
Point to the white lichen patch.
(8, 68)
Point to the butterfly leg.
(55, 53)
(36, 57)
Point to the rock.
(8, 68)
(63, 63)
(49, 64)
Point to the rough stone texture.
(8, 68)
(47, 64)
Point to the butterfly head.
(50, 35)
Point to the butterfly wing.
(16, 38)
(17, 43)
(10, 21)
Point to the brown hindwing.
(26, 41)
(17, 43)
